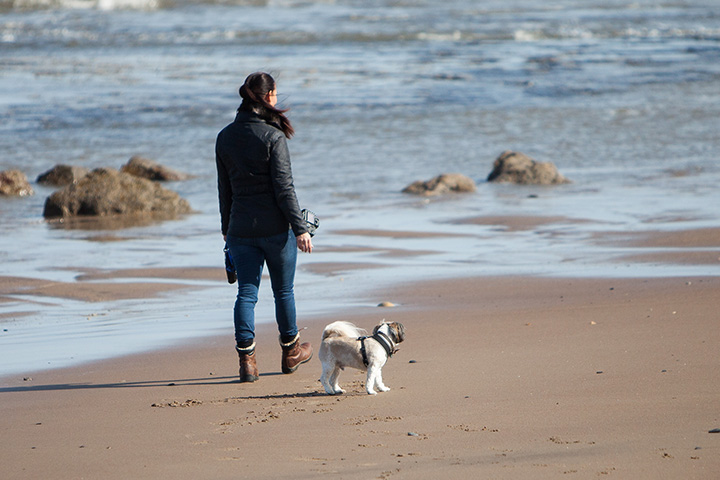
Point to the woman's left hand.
(304, 243)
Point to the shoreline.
(505, 377)
(132, 306)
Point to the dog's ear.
(399, 330)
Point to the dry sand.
(499, 378)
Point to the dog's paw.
(383, 388)
(334, 391)
(371, 392)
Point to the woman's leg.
(248, 258)
(281, 259)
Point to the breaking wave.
(109, 5)
(80, 4)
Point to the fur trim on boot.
(294, 354)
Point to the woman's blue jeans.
(249, 255)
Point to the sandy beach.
(509, 377)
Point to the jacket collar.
(252, 117)
(244, 117)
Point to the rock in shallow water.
(515, 167)
(14, 183)
(145, 168)
(106, 191)
(61, 175)
(445, 183)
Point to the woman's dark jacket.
(255, 182)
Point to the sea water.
(622, 96)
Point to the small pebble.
(714, 430)
(599, 372)
(412, 361)
(413, 434)
(386, 304)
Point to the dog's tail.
(342, 329)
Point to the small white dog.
(345, 345)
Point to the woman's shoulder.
(272, 132)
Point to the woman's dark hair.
(254, 91)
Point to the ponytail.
(254, 92)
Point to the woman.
(261, 219)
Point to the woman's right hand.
(304, 242)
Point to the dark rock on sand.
(106, 191)
(14, 183)
(445, 183)
(61, 175)
(146, 168)
(515, 167)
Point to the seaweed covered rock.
(105, 191)
(14, 183)
(445, 183)
(61, 175)
(146, 168)
(515, 167)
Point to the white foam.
(454, 36)
(127, 4)
(526, 36)
(88, 4)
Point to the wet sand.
(683, 247)
(84, 291)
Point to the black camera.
(311, 221)
(229, 266)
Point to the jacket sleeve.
(224, 192)
(283, 186)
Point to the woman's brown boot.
(248, 365)
(294, 354)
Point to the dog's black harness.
(382, 339)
